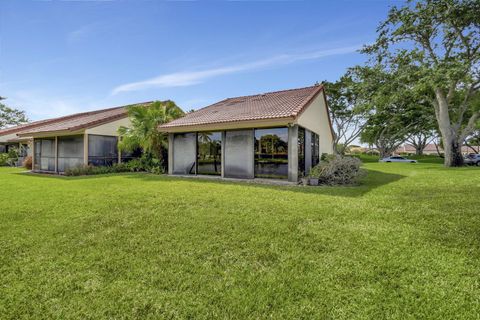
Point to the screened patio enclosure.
(60, 153)
(277, 153)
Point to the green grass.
(405, 244)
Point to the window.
(271, 153)
(3, 148)
(315, 149)
(102, 150)
(301, 151)
(45, 154)
(70, 152)
(209, 153)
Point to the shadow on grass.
(373, 180)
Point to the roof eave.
(229, 125)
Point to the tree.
(11, 117)
(435, 44)
(347, 114)
(395, 110)
(144, 131)
(425, 129)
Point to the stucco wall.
(315, 118)
(7, 137)
(109, 129)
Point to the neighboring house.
(9, 139)
(430, 149)
(88, 138)
(272, 135)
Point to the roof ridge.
(272, 92)
(258, 94)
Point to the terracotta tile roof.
(23, 127)
(79, 121)
(271, 105)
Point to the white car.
(472, 159)
(397, 159)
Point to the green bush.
(132, 166)
(10, 158)
(4, 159)
(338, 170)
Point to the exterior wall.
(109, 129)
(8, 137)
(184, 153)
(238, 154)
(315, 118)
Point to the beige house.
(271, 135)
(9, 139)
(89, 138)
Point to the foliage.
(11, 117)
(338, 170)
(10, 158)
(27, 163)
(347, 112)
(434, 47)
(144, 132)
(135, 165)
(397, 112)
(4, 159)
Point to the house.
(271, 135)
(9, 139)
(88, 138)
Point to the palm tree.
(144, 133)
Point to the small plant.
(27, 163)
(4, 159)
(337, 170)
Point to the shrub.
(132, 166)
(4, 159)
(10, 158)
(27, 163)
(338, 170)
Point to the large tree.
(435, 46)
(11, 117)
(348, 114)
(144, 133)
(396, 111)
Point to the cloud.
(188, 78)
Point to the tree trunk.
(453, 153)
(452, 148)
(419, 151)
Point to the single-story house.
(9, 139)
(88, 138)
(271, 135)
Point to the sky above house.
(62, 57)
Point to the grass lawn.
(405, 244)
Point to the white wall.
(7, 137)
(315, 118)
(109, 129)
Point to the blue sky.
(61, 57)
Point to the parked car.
(472, 159)
(397, 159)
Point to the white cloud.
(188, 78)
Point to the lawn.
(405, 244)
